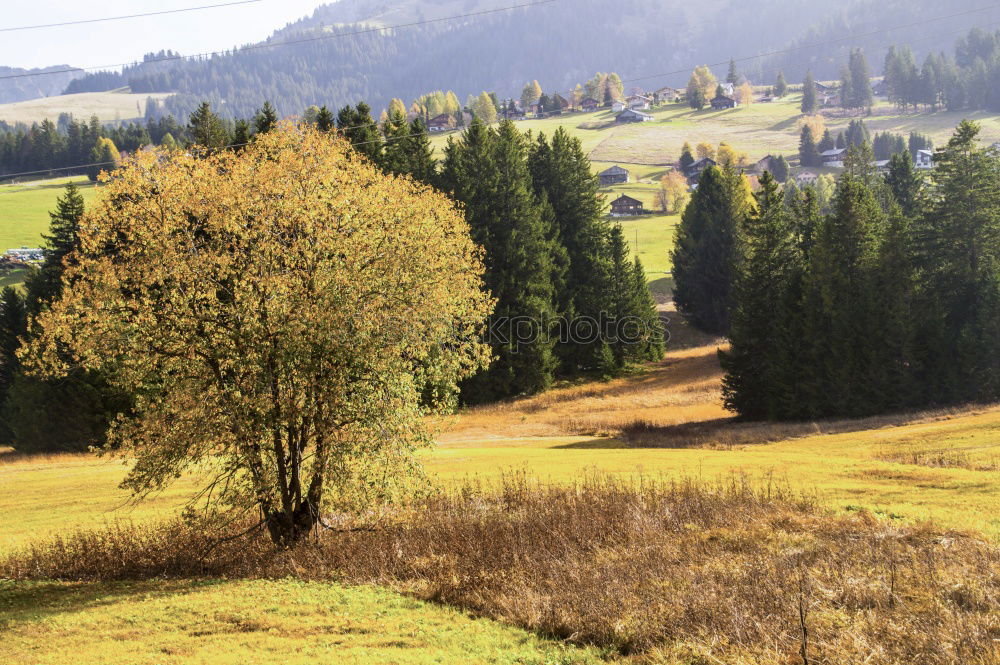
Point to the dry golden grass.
(676, 573)
(682, 389)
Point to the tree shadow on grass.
(30, 602)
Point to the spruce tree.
(827, 142)
(780, 168)
(266, 119)
(206, 129)
(707, 247)
(781, 86)
(562, 176)
(635, 333)
(842, 308)
(324, 120)
(357, 126)
(80, 406)
(44, 285)
(860, 78)
(905, 183)
(732, 76)
(957, 250)
(487, 171)
(808, 150)
(809, 102)
(13, 326)
(422, 164)
(396, 156)
(687, 157)
(753, 385)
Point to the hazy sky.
(121, 41)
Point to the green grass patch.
(25, 207)
(244, 622)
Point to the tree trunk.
(287, 530)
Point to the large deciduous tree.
(277, 314)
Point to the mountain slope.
(559, 43)
(23, 88)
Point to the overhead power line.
(129, 16)
(291, 42)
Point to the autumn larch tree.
(272, 314)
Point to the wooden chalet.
(833, 157)
(666, 95)
(589, 105)
(631, 115)
(616, 175)
(722, 102)
(626, 206)
(441, 123)
(638, 102)
(694, 170)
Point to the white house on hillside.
(923, 160)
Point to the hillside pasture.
(666, 421)
(25, 207)
(111, 106)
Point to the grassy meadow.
(111, 106)
(25, 206)
(861, 485)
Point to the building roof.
(723, 98)
(704, 162)
(634, 112)
(836, 152)
(930, 153)
(624, 198)
(439, 119)
(614, 170)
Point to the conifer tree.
(861, 96)
(324, 120)
(809, 102)
(634, 333)
(422, 164)
(266, 119)
(958, 255)
(13, 326)
(780, 168)
(733, 76)
(562, 176)
(396, 157)
(206, 129)
(827, 142)
(44, 285)
(781, 86)
(487, 171)
(357, 126)
(707, 247)
(843, 312)
(687, 159)
(753, 383)
(905, 183)
(241, 135)
(80, 406)
(808, 150)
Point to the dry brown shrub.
(668, 572)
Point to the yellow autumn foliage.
(285, 316)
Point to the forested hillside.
(559, 44)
